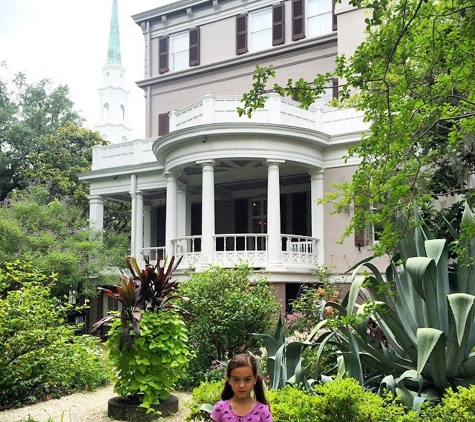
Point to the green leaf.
(431, 347)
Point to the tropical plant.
(415, 326)
(284, 359)
(152, 327)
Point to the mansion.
(219, 189)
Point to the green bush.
(456, 406)
(206, 393)
(155, 360)
(226, 307)
(41, 357)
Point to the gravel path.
(80, 407)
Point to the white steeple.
(113, 105)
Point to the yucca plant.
(415, 325)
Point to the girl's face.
(242, 381)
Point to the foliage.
(416, 326)
(156, 359)
(151, 326)
(208, 392)
(343, 399)
(284, 359)
(456, 406)
(53, 236)
(308, 309)
(225, 307)
(28, 111)
(216, 372)
(150, 290)
(58, 159)
(40, 354)
(413, 78)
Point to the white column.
(147, 225)
(273, 213)
(171, 214)
(133, 211)
(316, 210)
(181, 211)
(207, 213)
(96, 212)
(138, 225)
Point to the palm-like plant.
(415, 326)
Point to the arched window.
(122, 110)
(105, 110)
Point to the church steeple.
(113, 53)
(113, 112)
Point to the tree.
(413, 78)
(54, 237)
(28, 112)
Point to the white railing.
(154, 254)
(222, 109)
(299, 249)
(231, 249)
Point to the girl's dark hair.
(238, 361)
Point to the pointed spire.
(113, 53)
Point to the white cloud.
(66, 41)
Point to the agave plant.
(150, 289)
(415, 325)
(284, 359)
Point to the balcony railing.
(222, 109)
(231, 249)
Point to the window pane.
(179, 46)
(260, 30)
(319, 17)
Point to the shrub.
(40, 355)
(155, 360)
(226, 307)
(206, 393)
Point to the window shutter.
(163, 54)
(194, 47)
(278, 24)
(163, 124)
(334, 18)
(360, 239)
(241, 34)
(335, 88)
(298, 19)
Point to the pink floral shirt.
(222, 412)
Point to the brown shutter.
(360, 239)
(241, 34)
(163, 54)
(163, 124)
(335, 88)
(278, 24)
(298, 19)
(194, 47)
(335, 20)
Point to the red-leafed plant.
(150, 289)
(152, 327)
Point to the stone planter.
(125, 409)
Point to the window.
(260, 30)
(122, 111)
(179, 51)
(312, 18)
(331, 92)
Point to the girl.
(236, 404)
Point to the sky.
(66, 41)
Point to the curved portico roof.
(235, 141)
